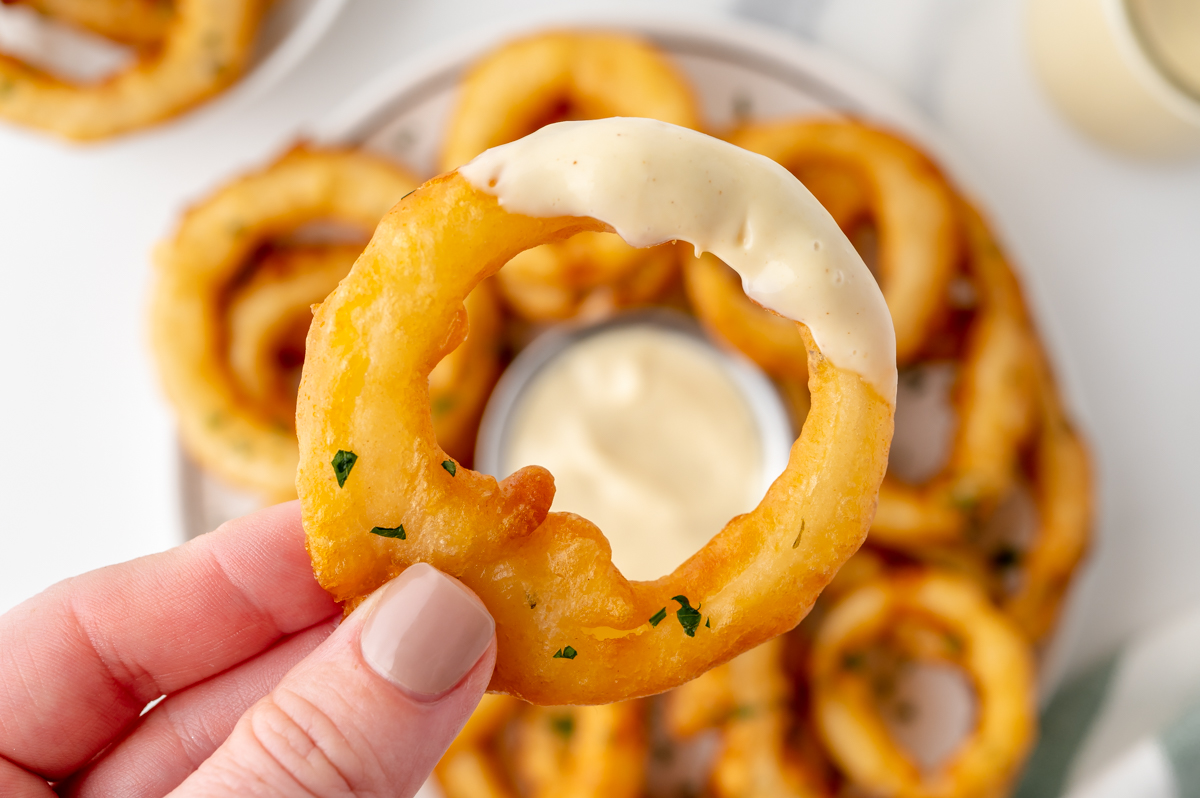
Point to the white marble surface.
(1109, 250)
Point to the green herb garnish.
(563, 725)
(450, 467)
(566, 652)
(389, 532)
(689, 616)
(342, 462)
(854, 662)
(442, 405)
(406, 196)
(657, 617)
(707, 625)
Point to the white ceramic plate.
(739, 71)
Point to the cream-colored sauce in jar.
(648, 436)
(654, 182)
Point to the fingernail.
(426, 631)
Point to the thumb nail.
(425, 632)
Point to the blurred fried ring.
(985, 644)
(548, 579)
(469, 769)
(141, 23)
(996, 404)
(206, 49)
(201, 263)
(547, 78)
(581, 752)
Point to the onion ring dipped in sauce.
(930, 617)
(572, 629)
(557, 76)
(226, 341)
(206, 48)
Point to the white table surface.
(1109, 250)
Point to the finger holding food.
(206, 48)
(572, 629)
(948, 619)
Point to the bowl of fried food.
(87, 70)
(645, 257)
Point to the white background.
(1109, 249)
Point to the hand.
(267, 694)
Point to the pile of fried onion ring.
(571, 628)
(204, 49)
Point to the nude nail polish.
(425, 632)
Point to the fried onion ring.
(572, 629)
(268, 318)
(1063, 490)
(911, 204)
(206, 49)
(547, 78)
(141, 23)
(221, 427)
(550, 77)
(468, 768)
(996, 398)
(970, 633)
(597, 751)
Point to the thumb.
(373, 708)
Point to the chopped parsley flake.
(442, 405)
(406, 196)
(342, 462)
(689, 616)
(854, 662)
(707, 625)
(657, 617)
(389, 532)
(566, 652)
(450, 467)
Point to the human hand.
(267, 694)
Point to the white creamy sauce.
(1170, 30)
(648, 436)
(654, 182)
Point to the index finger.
(79, 662)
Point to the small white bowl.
(1100, 73)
